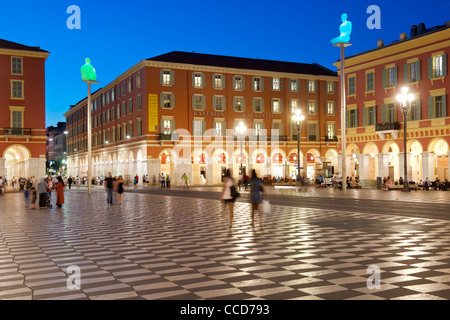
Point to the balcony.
(17, 132)
(331, 138)
(169, 137)
(261, 138)
(387, 128)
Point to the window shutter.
(262, 84)
(384, 113)
(419, 110)
(406, 73)
(161, 100)
(383, 76)
(203, 127)
(193, 79)
(160, 77)
(161, 127)
(271, 83)
(430, 107)
(364, 116)
(233, 82)
(243, 82)
(418, 70)
(253, 83)
(172, 78)
(430, 68)
(375, 114)
(281, 84)
(172, 100)
(281, 105)
(444, 106)
(444, 64)
(395, 75)
(346, 118)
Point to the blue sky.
(118, 34)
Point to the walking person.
(136, 180)
(69, 182)
(256, 190)
(167, 181)
(109, 187)
(59, 192)
(42, 190)
(227, 198)
(185, 181)
(120, 188)
(163, 181)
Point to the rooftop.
(243, 63)
(5, 44)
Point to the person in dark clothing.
(69, 182)
(109, 187)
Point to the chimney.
(403, 36)
(380, 43)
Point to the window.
(167, 126)
(112, 95)
(331, 131)
(124, 108)
(139, 127)
(415, 112)
(312, 107)
(293, 85)
(16, 121)
(438, 69)
(198, 126)
(312, 131)
(277, 125)
(258, 105)
(167, 100)
(219, 128)
(238, 104)
(130, 130)
(124, 88)
(331, 87)
(218, 81)
(138, 102)
(413, 69)
(353, 114)
(198, 102)
(257, 84)
(130, 106)
(16, 65)
(440, 106)
(390, 77)
(369, 82)
(351, 86)
(167, 77)
(138, 79)
(17, 89)
(113, 113)
(130, 85)
(218, 103)
(311, 85)
(392, 114)
(330, 108)
(238, 83)
(276, 84)
(198, 79)
(371, 116)
(258, 126)
(277, 106)
(118, 111)
(294, 105)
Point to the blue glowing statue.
(88, 71)
(345, 29)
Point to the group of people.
(230, 194)
(114, 185)
(164, 179)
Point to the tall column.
(2, 167)
(428, 164)
(37, 167)
(383, 165)
(448, 172)
(408, 166)
(363, 167)
(348, 166)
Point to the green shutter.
(430, 107)
(419, 110)
(281, 105)
(406, 73)
(347, 112)
(383, 76)
(262, 84)
(430, 68)
(418, 70)
(172, 78)
(160, 76)
(172, 100)
(364, 116)
(444, 64)
(395, 75)
(203, 127)
(444, 105)
(357, 118)
(384, 113)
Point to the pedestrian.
(119, 188)
(185, 180)
(109, 187)
(154, 180)
(240, 180)
(245, 181)
(33, 197)
(26, 193)
(227, 198)
(42, 190)
(256, 190)
(167, 181)
(59, 192)
(136, 180)
(163, 181)
(69, 182)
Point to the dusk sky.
(118, 34)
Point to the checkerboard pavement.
(163, 247)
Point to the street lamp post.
(404, 98)
(241, 129)
(298, 118)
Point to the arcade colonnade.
(17, 161)
(371, 160)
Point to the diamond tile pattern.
(161, 247)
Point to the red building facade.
(374, 119)
(22, 106)
(177, 113)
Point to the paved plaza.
(176, 244)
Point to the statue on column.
(345, 29)
(88, 71)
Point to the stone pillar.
(2, 167)
(428, 164)
(153, 168)
(408, 166)
(209, 173)
(363, 167)
(348, 166)
(37, 167)
(185, 166)
(383, 165)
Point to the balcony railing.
(387, 126)
(169, 137)
(331, 138)
(17, 132)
